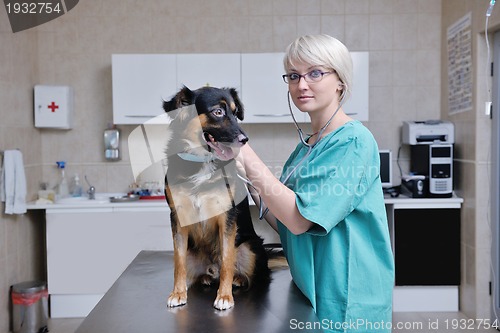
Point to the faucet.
(91, 191)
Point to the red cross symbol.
(53, 107)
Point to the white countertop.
(155, 203)
(161, 203)
(404, 202)
(403, 199)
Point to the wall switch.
(487, 108)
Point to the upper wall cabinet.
(357, 104)
(264, 93)
(140, 82)
(215, 70)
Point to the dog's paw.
(177, 299)
(206, 280)
(239, 281)
(224, 302)
(213, 271)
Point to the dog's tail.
(276, 257)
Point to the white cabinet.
(141, 81)
(264, 93)
(88, 249)
(425, 239)
(140, 84)
(215, 70)
(357, 105)
(53, 107)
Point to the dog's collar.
(196, 158)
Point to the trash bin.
(30, 307)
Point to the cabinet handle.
(269, 115)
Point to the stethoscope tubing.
(301, 133)
(309, 146)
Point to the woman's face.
(314, 96)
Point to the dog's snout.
(242, 138)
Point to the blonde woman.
(328, 206)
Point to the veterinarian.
(328, 206)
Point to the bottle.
(76, 188)
(63, 190)
(46, 195)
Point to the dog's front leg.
(179, 294)
(227, 235)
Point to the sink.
(100, 198)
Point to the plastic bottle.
(45, 194)
(76, 188)
(63, 190)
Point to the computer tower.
(435, 162)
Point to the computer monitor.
(386, 168)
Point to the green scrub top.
(344, 263)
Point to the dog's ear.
(184, 97)
(239, 106)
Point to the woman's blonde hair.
(321, 50)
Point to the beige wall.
(473, 158)
(402, 36)
(21, 256)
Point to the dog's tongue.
(223, 152)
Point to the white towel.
(13, 183)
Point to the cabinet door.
(357, 105)
(88, 251)
(427, 247)
(264, 94)
(215, 70)
(140, 84)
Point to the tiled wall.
(402, 36)
(473, 159)
(21, 242)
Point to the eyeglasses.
(313, 76)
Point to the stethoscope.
(319, 133)
(262, 211)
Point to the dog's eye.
(219, 112)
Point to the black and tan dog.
(212, 230)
